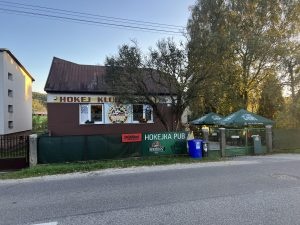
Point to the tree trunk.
(245, 99)
(160, 116)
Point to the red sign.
(132, 137)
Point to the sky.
(35, 40)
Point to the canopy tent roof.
(245, 118)
(208, 119)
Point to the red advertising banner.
(132, 137)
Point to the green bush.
(39, 124)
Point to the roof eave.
(17, 61)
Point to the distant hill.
(39, 102)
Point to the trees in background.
(239, 54)
(158, 76)
(236, 44)
(39, 102)
(271, 101)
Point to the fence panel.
(240, 141)
(285, 139)
(214, 134)
(109, 147)
(80, 148)
(14, 152)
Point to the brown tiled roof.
(69, 77)
(65, 76)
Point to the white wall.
(1, 94)
(21, 85)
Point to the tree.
(234, 42)
(290, 67)
(286, 118)
(210, 57)
(148, 78)
(39, 102)
(271, 100)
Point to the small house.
(79, 103)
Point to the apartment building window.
(10, 124)
(10, 108)
(10, 76)
(10, 93)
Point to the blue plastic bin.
(195, 148)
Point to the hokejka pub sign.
(165, 143)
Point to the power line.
(93, 15)
(86, 18)
(91, 21)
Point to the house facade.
(15, 95)
(79, 103)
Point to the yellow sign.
(83, 99)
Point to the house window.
(10, 93)
(96, 113)
(10, 108)
(91, 113)
(10, 76)
(142, 113)
(148, 113)
(10, 124)
(137, 113)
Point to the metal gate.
(14, 152)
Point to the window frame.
(10, 76)
(89, 120)
(10, 93)
(145, 107)
(10, 124)
(10, 108)
(102, 112)
(132, 113)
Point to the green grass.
(295, 151)
(63, 168)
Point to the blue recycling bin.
(195, 148)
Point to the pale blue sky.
(35, 41)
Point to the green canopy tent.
(208, 119)
(245, 118)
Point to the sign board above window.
(52, 98)
(78, 98)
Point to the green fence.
(80, 148)
(240, 141)
(285, 139)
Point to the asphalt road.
(249, 190)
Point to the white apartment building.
(15, 95)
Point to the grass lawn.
(296, 151)
(63, 168)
